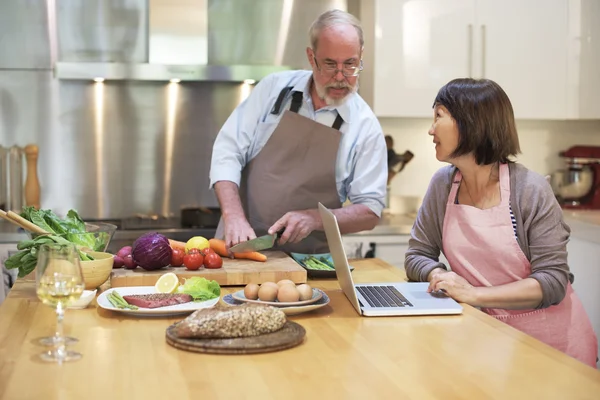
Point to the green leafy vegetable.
(200, 288)
(63, 231)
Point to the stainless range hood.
(182, 40)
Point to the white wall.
(541, 141)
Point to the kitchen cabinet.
(584, 262)
(528, 47)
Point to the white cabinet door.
(523, 46)
(584, 59)
(420, 45)
(584, 261)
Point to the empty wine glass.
(59, 282)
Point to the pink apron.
(481, 246)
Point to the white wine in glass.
(59, 282)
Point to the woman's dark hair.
(485, 119)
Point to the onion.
(118, 262)
(152, 251)
(124, 252)
(128, 262)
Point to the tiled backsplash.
(541, 141)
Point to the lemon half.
(167, 283)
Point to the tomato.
(192, 251)
(213, 261)
(177, 257)
(193, 261)
(208, 250)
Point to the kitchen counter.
(391, 224)
(344, 355)
(584, 224)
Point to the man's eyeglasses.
(331, 69)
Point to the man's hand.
(237, 230)
(454, 285)
(298, 225)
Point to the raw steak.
(156, 300)
(231, 322)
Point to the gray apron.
(293, 171)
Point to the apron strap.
(297, 104)
(454, 190)
(504, 184)
(337, 124)
(282, 95)
(296, 101)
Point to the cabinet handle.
(483, 40)
(470, 46)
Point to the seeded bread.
(231, 322)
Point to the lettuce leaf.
(200, 289)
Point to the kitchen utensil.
(578, 186)
(32, 184)
(235, 272)
(22, 222)
(260, 243)
(317, 294)
(289, 310)
(292, 334)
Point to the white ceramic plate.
(239, 296)
(178, 309)
(290, 310)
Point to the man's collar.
(303, 85)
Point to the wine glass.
(59, 281)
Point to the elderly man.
(303, 137)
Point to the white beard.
(322, 93)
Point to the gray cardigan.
(542, 232)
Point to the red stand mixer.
(578, 186)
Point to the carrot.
(251, 255)
(177, 244)
(219, 247)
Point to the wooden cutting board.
(292, 334)
(233, 273)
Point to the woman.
(497, 223)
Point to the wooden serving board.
(290, 335)
(233, 273)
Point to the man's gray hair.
(331, 18)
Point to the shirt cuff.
(224, 174)
(373, 204)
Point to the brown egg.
(267, 293)
(285, 282)
(251, 291)
(306, 292)
(273, 284)
(288, 293)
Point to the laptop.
(382, 298)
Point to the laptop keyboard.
(383, 296)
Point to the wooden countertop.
(344, 356)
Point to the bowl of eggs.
(279, 294)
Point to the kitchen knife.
(260, 243)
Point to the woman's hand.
(454, 285)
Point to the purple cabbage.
(152, 251)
